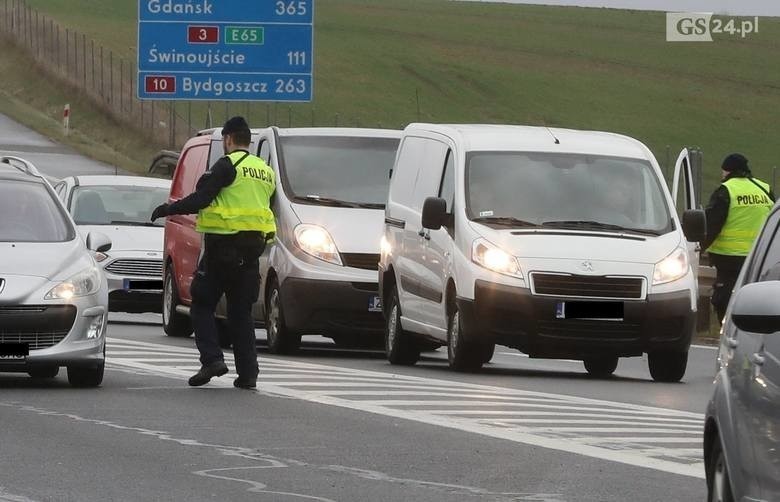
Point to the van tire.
(175, 324)
(86, 377)
(281, 340)
(600, 367)
(667, 366)
(463, 355)
(400, 348)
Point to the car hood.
(355, 230)
(596, 246)
(129, 238)
(53, 261)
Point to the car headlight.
(671, 268)
(100, 257)
(493, 258)
(317, 242)
(84, 283)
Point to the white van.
(560, 243)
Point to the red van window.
(191, 167)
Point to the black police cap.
(235, 124)
(735, 162)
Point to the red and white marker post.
(66, 119)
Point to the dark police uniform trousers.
(229, 265)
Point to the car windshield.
(339, 171)
(117, 205)
(29, 213)
(521, 189)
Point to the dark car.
(742, 431)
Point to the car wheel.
(44, 372)
(399, 345)
(718, 480)
(280, 339)
(667, 366)
(461, 354)
(601, 366)
(174, 323)
(85, 377)
(223, 332)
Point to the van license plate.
(612, 311)
(374, 304)
(14, 351)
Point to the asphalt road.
(343, 425)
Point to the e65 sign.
(700, 26)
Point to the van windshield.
(523, 189)
(338, 171)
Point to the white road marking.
(480, 409)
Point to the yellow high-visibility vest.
(244, 205)
(749, 207)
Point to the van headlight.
(486, 255)
(317, 242)
(671, 268)
(85, 283)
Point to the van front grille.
(587, 286)
(365, 261)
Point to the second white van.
(560, 243)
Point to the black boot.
(208, 372)
(245, 383)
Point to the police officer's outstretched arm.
(221, 174)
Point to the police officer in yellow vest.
(233, 202)
(735, 214)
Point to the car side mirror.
(694, 223)
(434, 213)
(98, 242)
(756, 309)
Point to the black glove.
(160, 211)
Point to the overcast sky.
(743, 7)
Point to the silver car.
(120, 206)
(53, 295)
(742, 431)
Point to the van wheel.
(280, 339)
(85, 377)
(399, 345)
(463, 355)
(667, 366)
(44, 372)
(174, 323)
(601, 366)
(718, 479)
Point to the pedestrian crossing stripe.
(656, 438)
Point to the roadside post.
(225, 50)
(66, 119)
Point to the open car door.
(684, 196)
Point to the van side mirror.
(98, 242)
(756, 309)
(434, 213)
(694, 223)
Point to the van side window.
(431, 162)
(191, 167)
(447, 188)
(265, 151)
(406, 169)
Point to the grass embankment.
(560, 66)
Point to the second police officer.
(735, 214)
(233, 202)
